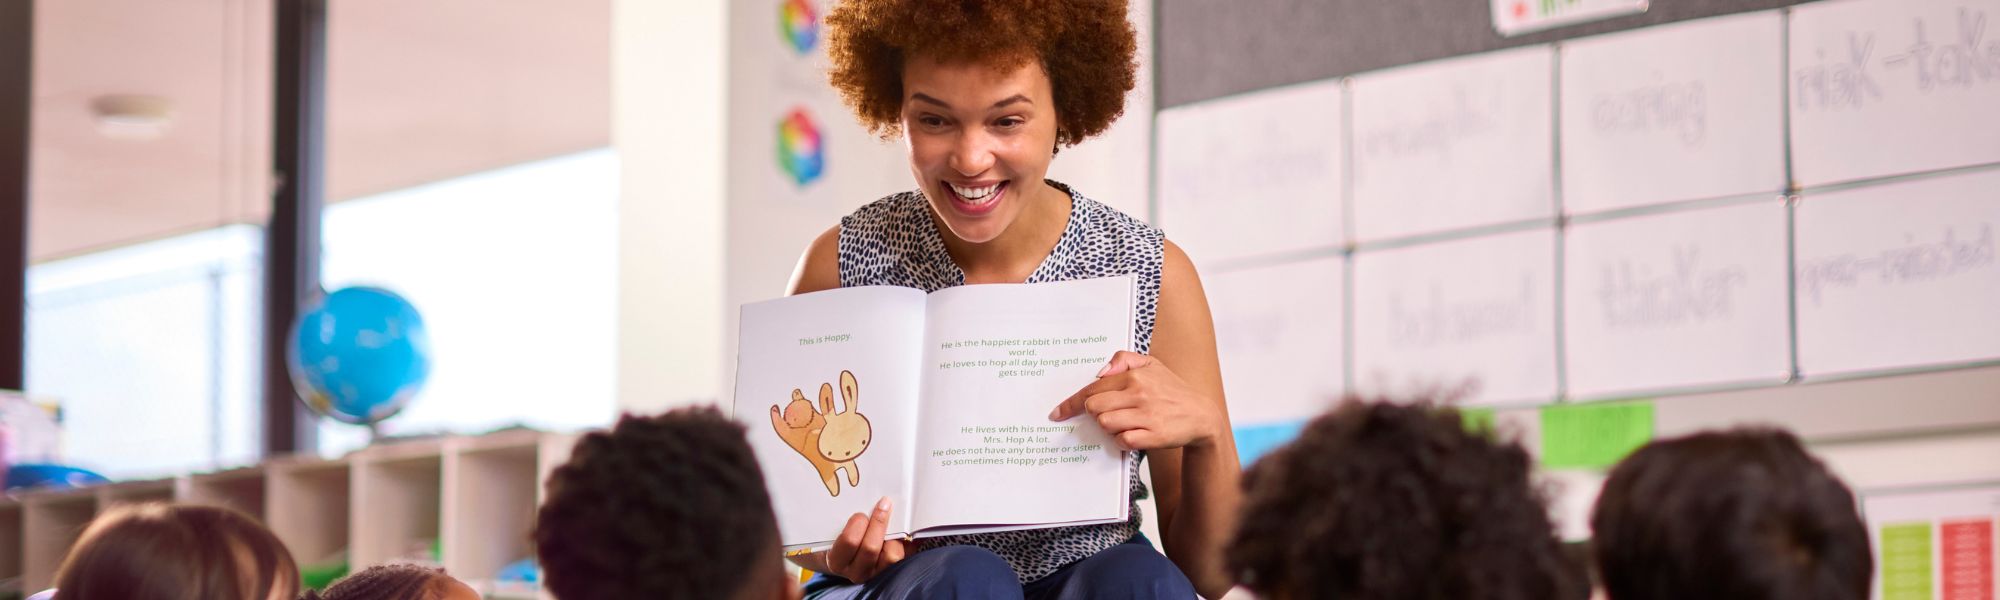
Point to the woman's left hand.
(1144, 405)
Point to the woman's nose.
(972, 155)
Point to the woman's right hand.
(860, 553)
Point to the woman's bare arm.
(1195, 486)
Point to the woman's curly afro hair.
(1378, 500)
(1085, 46)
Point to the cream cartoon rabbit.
(827, 439)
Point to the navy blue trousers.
(1129, 571)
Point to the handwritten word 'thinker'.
(1687, 294)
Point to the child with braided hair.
(401, 581)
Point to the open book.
(939, 402)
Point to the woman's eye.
(1010, 122)
(931, 121)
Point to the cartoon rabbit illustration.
(827, 439)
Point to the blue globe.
(360, 355)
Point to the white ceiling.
(417, 92)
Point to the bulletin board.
(1744, 211)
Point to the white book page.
(1001, 358)
(837, 462)
(1899, 275)
(1477, 312)
(1677, 300)
(1456, 143)
(1889, 87)
(1676, 112)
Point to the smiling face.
(980, 141)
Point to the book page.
(1001, 357)
(804, 366)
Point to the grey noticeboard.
(1212, 48)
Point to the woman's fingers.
(1109, 402)
(892, 553)
(1123, 361)
(1122, 420)
(1141, 439)
(871, 541)
(840, 559)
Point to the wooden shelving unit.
(474, 497)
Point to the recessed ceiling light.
(132, 116)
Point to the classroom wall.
(1739, 211)
(668, 68)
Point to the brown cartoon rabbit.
(827, 439)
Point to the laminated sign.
(1515, 17)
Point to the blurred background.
(1594, 222)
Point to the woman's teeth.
(973, 194)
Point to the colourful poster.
(1906, 561)
(1967, 564)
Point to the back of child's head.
(177, 552)
(666, 506)
(1379, 501)
(398, 581)
(1742, 514)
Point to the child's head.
(400, 581)
(667, 506)
(1378, 500)
(1726, 515)
(177, 552)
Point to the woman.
(177, 552)
(984, 94)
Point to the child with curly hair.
(1382, 501)
(1743, 514)
(400, 581)
(983, 95)
(666, 506)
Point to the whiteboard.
(1887, 87)
(1678, 112)
(1478, 310)
(1677, 300)
(1899, 275)
(1278, 333)
(1253, 175)
(1453, 144)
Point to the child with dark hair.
(667, 506)
(1729, 515)
(401, 581)
(177, 552)
(1381, 501)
